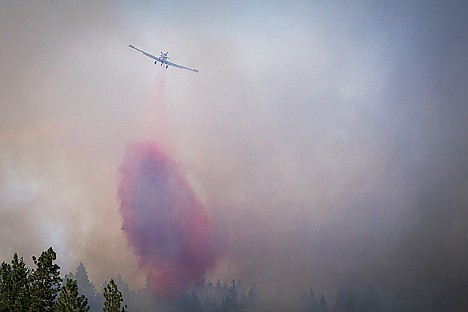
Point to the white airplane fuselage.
(162, 59)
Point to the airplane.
(163, 59)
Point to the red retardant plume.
(163, 220)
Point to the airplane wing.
(147, 54)
(180, 66)
(162, 60)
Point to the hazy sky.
(326, 139)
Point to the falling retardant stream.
(164, 222)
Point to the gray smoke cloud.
(327, 140)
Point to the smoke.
(327, 140)
(163, 220)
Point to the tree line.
(42, 289)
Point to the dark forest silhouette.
(43, 289)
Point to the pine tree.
(69, 300)
(88, 289)
(14, 285)
(231, 301)
(252, 300)
(209, 305)
(113, 298)
(5, 287)
(126, 292)
(45, 282)
(20, 289)
(310, 301)
(323, 307)
(370, 300)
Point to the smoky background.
(327, 141)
